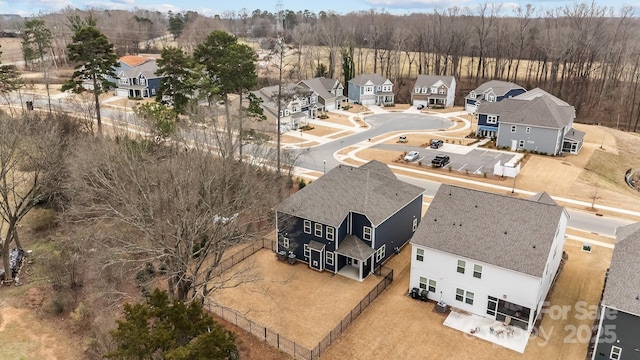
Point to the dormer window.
(491, 98)
(417, 89)
(472, 95)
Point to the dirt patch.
(11, 50)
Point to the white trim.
(415, 224)
(332, 231)
(317, 230)
(307, 252)
(307, 224)
(367, 235)
(464, 266)
(329, 255)
(618, 353)
(475, 266)
(380, 253)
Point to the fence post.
(265, 333)
(278, 340)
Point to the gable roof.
(540, 111)
(428, 80)
(543, 197)
(147, 68)
(355, 248)
(269, 95)
(622, 287)
(504, 231)
(537, 92)
(500, 88)
(134, 60)
(362, 79)
(322, 86)
(371, 189)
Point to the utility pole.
(280, 44)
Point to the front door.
(316, 259)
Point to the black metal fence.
(281, 342)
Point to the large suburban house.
(619, 316)
(136, 77)
(532, 121)
(491, 255)
(370, 89)
(350, 220)
(434, 91)
(491, 91)
(299, 103)
(330, 92)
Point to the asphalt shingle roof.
(355, 248)
(428, 80)
(362, 79)
(372, 190)
(322, 86)
(540, 111)
(500, 88)
(622, 290)
(508, 232)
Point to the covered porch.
(573, 140)
(487, 131)
(354, 258)
(385, 98)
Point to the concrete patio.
(510, 337)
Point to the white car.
(412, 156)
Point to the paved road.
(381, 124)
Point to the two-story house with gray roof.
(137, 77)
(491, 91)
(434, 91)
(370, 89)
(533, 121)
(350, 220)
(298, 103)
(619, 315)
(492, 255)
(330, 92)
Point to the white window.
(477, 271)
(330, 232)
(417, 89)
(143, 81)
(318, 232)
(366, 233)
(527, 130)
(461, 265)
(307, 227)
(124, 81)
(415, 224)
(521, 143)
(307, 251)
(380, 253)
(492, 119)
(513, 128)
(427, 284)
(491, 98)
(442, 91)
(378, 88)
(425, 90)
(434, 90)
(472, 95)
(329, 257)
(616, 352)
(464, 296)
(420, 254)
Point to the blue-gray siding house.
(136, 77)
(350, 220)
(532, 121)
(491, 91)
(619, 315)
(370, 89)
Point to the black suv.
(436, 144)
(440, 161)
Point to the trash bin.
(415, 293)
(29, 105)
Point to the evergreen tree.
(173, 330)
(176, 86)
(96, 60)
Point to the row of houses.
(492, 255)
(518, 119)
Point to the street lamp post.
(324, 166)
(513, 189)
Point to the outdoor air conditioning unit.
(423, 294)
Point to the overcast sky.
(212, 7)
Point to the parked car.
(436, 143)
(412, 156)
(420, 107)
(440, 161)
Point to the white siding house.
(491, 255)
(434, 90)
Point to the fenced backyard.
(275, 338)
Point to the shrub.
(346, 107)
(301, 184)
(324, 116)
(306, 127)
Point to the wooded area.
(583, 53)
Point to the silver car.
(412, 156)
